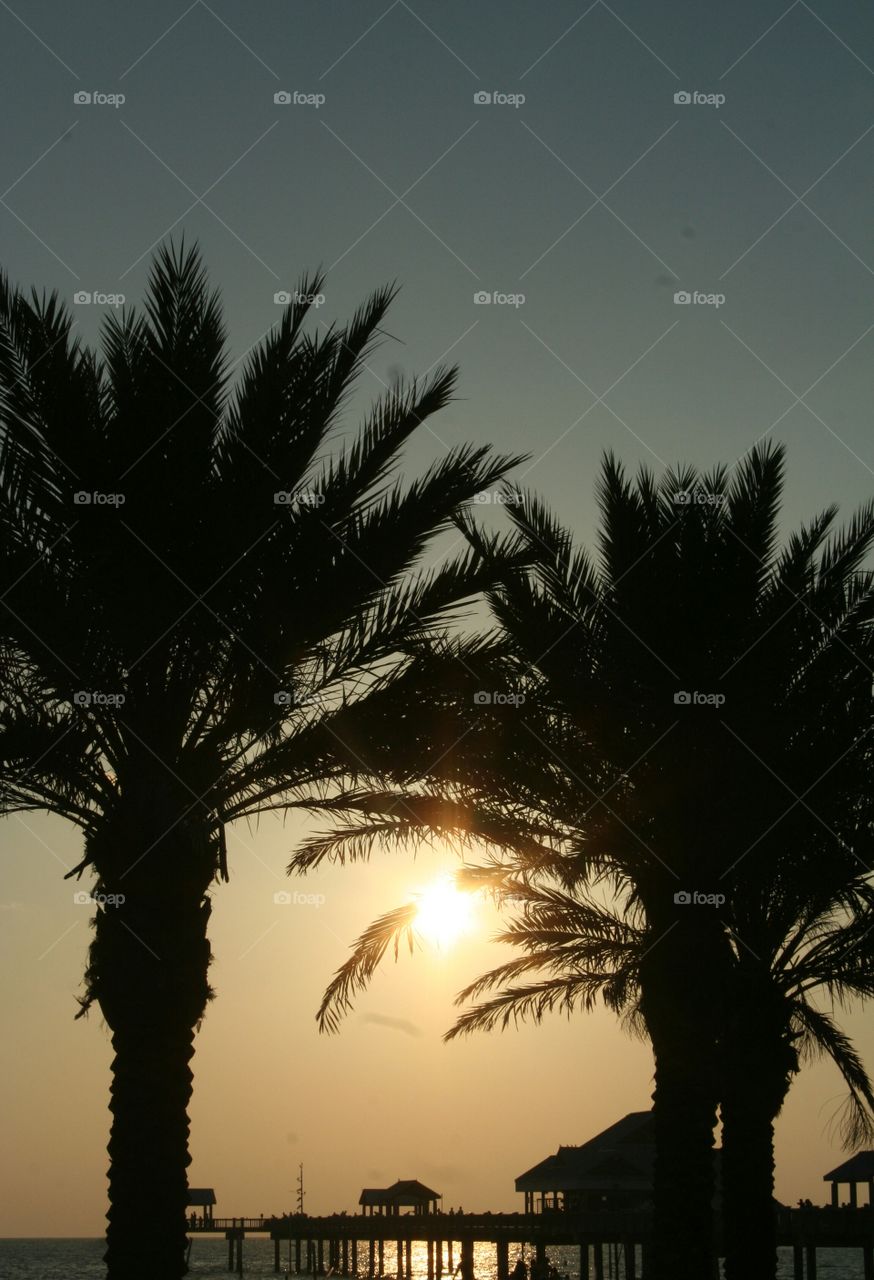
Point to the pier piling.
(467, 1259)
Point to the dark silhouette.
(670, 702)
(520, 1271)
(199, 588)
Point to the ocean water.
(81, 1260)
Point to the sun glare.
(444, 914)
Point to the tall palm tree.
(200, 586)
(681, 711)
(575, 949)
(805, 946)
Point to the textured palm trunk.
(749, 1220)
(680, 987)
(150, 968)
(684, 1101)
(148, 972)
(759, 1063)
(148, 1153)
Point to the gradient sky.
(597, 198)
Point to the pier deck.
(333, 1242)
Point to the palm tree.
(685, 705)
(585, 949)
(200, 588)
(577, 948)
(813, 942)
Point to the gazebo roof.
(859, 1168)
(620, 1157)
(408, 1191)
(201, 1195)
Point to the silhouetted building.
(409, 1194)
(858, 1169)
(202, 1198)
(610, 1171)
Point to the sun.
(443, 913)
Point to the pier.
(355, 1245)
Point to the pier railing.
(823, 1223)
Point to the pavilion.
(202, 1198)
(611, 1171)
(858, 1169)
(407, 1194)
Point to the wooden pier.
(355, 1245)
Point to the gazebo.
(858, 1169)
(407, 1194)
(202, 1198)
(611, 1171)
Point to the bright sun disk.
(443, 914)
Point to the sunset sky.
(581, 199)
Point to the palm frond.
(820, 1035)
(354, 976)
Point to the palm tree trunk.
(749, 1220)
(148, 1153)
(684, 1102)
(680, 1001)
(759, 1063)
(148, 971)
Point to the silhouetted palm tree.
(681, 711)
(576, 949)
(807, 943)
(200, 588)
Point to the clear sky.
(581, 211)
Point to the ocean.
(81, 1260)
